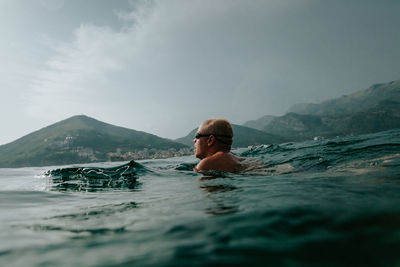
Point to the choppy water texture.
(326, 202)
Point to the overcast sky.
(165, 66)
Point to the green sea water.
(316, 203)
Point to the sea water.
(319, 202)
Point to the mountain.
(243, 137)
(383, 116)
(260, 123)
(81, 139)
(298, 126)
(374, 109)
(356, 102)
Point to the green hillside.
(374, 109)
(260, 123)
(81, 139)
(383, 116)
(298, 127)
(243, 137)
(356, 102)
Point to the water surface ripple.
(324, 202)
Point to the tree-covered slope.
(371, 110)
(356, 102)
(383, 116)
(79, 139)
(259, 124)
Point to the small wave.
(264, 149)
(367, 166)
(95, 178)
(323, 155)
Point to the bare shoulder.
(206, 164)
(220, 161)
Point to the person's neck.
(217, 150)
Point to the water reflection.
(92, 220)
(220, 198)
(91, 185)
(217, 188)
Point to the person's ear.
(211, 140)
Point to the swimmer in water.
(212, 144)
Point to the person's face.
(200, 145)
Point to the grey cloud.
(165, 66)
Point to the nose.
(194, 141)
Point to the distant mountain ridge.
(260, 123)
(243, 137)
(81, 139)
(374, 109)
(382, 117)
(355, 102)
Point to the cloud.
(76, 73)
(175, 63)
(165, 61)
(52, 4)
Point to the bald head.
(212, 144)
(221, 129)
